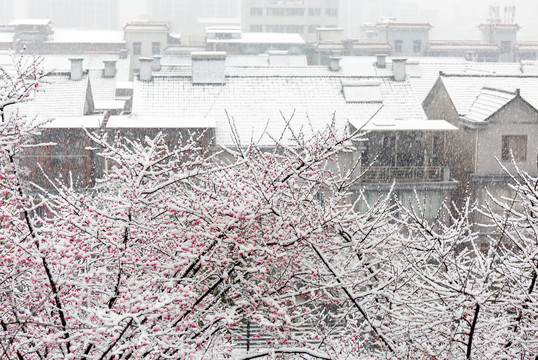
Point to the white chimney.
(156, 65)
(381, 61)
(334, 63)
(145, 68)
(398, 69)
(76, 68)
(278, 58)
(209, 67)
(110, 68)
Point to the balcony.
(404, 174)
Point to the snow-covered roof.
(57, 96)
(77, 122)
(31, 21)
(258, 100)
(261, 60)
(464, 90)
(87, 36)
(423, 72)
(156, 122)
(488, 102)
(263, 38)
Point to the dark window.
(331, 12)
(155, 48)
(505, 47)
(276, 11)
(295, 29)
(295, 12)
(417, 46)
(276, 28)
(256, 28)
(398, 44)
(312, 28)
(137, 48)
(514, 145)
(256, 11)
(314, 12)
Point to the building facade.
(300, 17)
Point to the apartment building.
(300, 17)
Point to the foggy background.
(454, 19)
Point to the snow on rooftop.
(487, 103)
(465, 89)
(263, 38)
(87, 36)
(158, 122)
(30, 21)
(257, 102)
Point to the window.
(294, 29)
(256, 28)
(331, 12)
(314, 12)
(155, 48)
(398, 46)
(312, 28)
(256, 11)
(276, 28)
(276, 11)
(515, 145)
(295, 12)
(417, 46)
(137, 48)
(505, 47)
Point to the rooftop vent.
(76, 68)
(398, 69)
(156, 64)
(381, 61)
(334, 63)
(209, 68)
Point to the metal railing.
(404, 173)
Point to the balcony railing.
(404, 173)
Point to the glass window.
(276, 11)
(514, 145)
(137, 48)
(398, 44)
(256, 28)
(506, 46)
(312, 28)
(295, 12)
(295, 29)
(256, 11)
(417, 46)
(276, 28)
(331, 12)
(314, 12)
(155, 48)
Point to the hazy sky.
(458, 19)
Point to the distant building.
(183, 16)
(299, 17)
(81, 14)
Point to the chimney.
(76, 68)
(145, 68)
(334, 63)
(381, 61)
(209, 67)
(110, 68)
(398, 69)
(278, 58)
(156, 64)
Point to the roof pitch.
(255, 103)
(465, 89)
(488, 102)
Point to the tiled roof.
(262, 38)
(276, 71)
(58, 97)
(487, 103)
(237, 60)
(254, 103)
(465, 89)
(461, 46)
